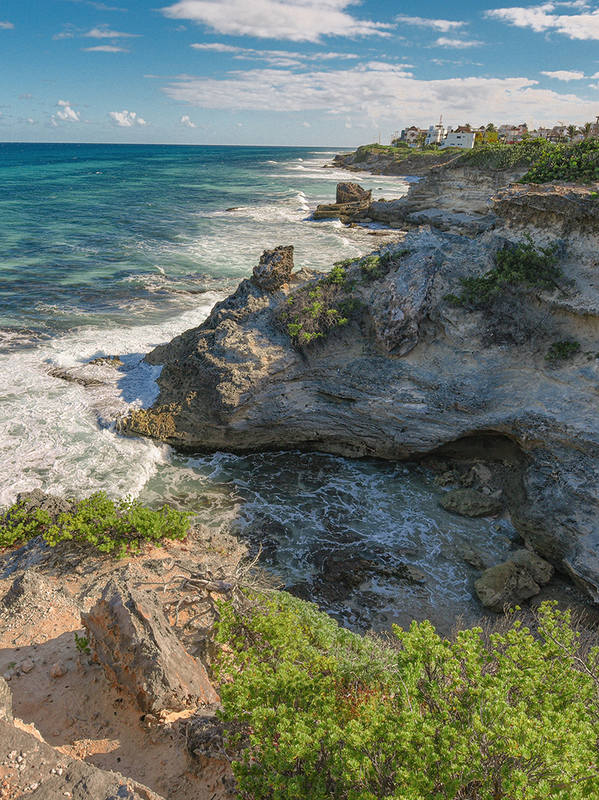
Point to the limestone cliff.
(410, 373)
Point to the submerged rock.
(470, 503)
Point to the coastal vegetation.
(501, 156)
(313, 711)
(516, 265)
(563, 350)
(577, 163)
(114, 527)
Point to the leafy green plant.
(82, 644)
(314, 712)
(577, 163)
(516, 265)
(563, 350)
(501, 156)
(115, 527)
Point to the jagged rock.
(5, 702)
(274, 269)
(504, 585)
(470, 503)
(352, 193)
(72, 376)
(451, 376)
(541, 570)
(132, 639)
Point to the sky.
(289, 72)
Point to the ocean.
(112, 249)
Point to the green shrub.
(577, 163)
(516, 265)
(561, 351)
(499, 156)
(108, 526)
(314, 712)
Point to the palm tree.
(572, 131)
(586, 129)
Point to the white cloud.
(386, 94)
(6, 26)
(186, 121)
(564, 75)
(126, 119)
(460, 44)
(30, 121)
(103, 32)
(66, 113)
(583, 25)
(276, 58)
(295, 20)
(443, 25)
(105, 48)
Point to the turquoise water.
(112, 249)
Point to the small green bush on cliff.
(562, 351)
(314, 712)
(516, 265)
(499, 156)
(110, 527)
(578, 163)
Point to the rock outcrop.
(132, 639)
(411, 373)
(352, 193)
(274, 269)
(352, 203)
(470, 503)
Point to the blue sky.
(313, 72)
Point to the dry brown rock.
(352, 193)
(132, 639)
(274, 269)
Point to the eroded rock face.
(135, 644)
(274, 269)
(352, 193)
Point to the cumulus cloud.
(186, 121)
(66, 113)
(582, 24)
(379, 91)
(564, 74)
(6, 26)
(126, 119)
(459, 44)
(276, 58)
(104, 32)
(105, 48)
(443, 25)
(295, 20)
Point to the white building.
(436, 134)
(460, 138)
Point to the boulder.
(132, 639)
(470, 503)
(504, 585)
(352, 193)
(541, 570)
(54, 505)
(274, 269)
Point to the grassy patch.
(111, 527)
(314, 712)
(516, 265)
(562, 351)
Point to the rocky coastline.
(409, 373)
